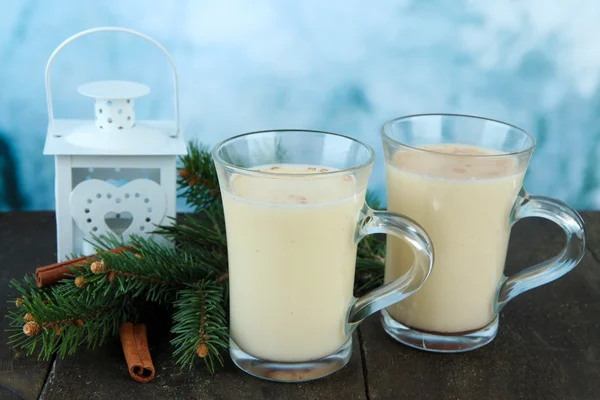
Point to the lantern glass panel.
(115, 176)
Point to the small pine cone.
(111, 276)
(79, 322)
(98, 267)
(202, 350)
(31, 328)
(192, 181)
(28, 317)
(138, 255)
(57, 331)
(184, 173)
(18, 302)
(80, 282)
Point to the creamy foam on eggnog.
(464, 204)
(292, 256)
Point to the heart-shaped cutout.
(118, 222)
(99, 208)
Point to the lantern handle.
(108, 29)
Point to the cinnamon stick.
(137, 353)
(51, 274)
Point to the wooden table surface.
(548, 345)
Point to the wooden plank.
(592, 225)
(97, 374)
(27, 241)
(548, 346)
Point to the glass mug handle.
(570, 222)
(384, 296)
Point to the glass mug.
(461, 177)
(294, 204)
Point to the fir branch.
(370, 256)
(369, 275)
(205, 230)
(200, 325)
(152, 272)
(198, 182)
(28, 289)
(52, 323)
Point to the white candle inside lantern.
(114, 108)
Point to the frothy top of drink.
(454, 162)
(294, 169)
(302, 190)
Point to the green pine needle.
(200, 320)
(66, 322)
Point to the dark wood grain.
(27, 240)
(548, 346)
(592, 222)
(92, 375)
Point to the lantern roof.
(106, 90)
(114, 129)
(82, 137)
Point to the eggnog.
(464, 204)
(292, 251)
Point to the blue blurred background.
(343, 66)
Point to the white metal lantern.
(114, 174)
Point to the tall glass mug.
(295, 210)
(461, 177)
